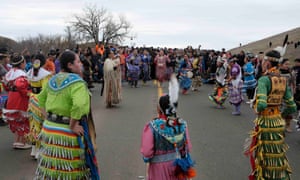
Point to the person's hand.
(76, 128)
(44, 113)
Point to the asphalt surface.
(217, 137)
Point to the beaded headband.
(19, 62)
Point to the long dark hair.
(65, 58)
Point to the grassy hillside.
(277, 40)
(6, 42)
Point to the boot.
(33, 151)
(238, 109)
(37, 154)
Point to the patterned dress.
(17, 103)
(63, 152)
(235, 91)
(267, 149)
(112, 79)
(36, 116)
(159, 144)
(220, 92)
(161, 67)
(185, 81)
(146, 59)
(249, 79)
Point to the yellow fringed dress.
(36, 116)
(267, 150)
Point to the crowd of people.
(271, 87)
(46, 104)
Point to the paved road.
(216, 135)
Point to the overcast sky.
(212, 24)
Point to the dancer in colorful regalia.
(197, 73)
(185, 74)
(235, 85)
(15, 111)
(160, 62)
(112, 79)
(267, 150)
(67, 135)
(220, 91)
(166, 143)
(37, 77)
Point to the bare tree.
(116, 31)
(90, 23)
(95, 23)
(70, 37)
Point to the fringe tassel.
(270, 149)
(184, 168)
(44, 173)
(61, 157)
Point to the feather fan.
(173, 89)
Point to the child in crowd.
(235, 86)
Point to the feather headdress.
(280, 49)
(168, 102)
(173, 91)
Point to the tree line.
(90, 26)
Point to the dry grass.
(277, 40)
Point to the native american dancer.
(220, 92)
(133, 73)
(235, 86)
(145, 67)
(267, 150)
(197, 73)
(15, 111)
(185, 74)
(133, 62)
(249, 77)
(112, 80)
(37, 77)
(166, 143)
(67, 135)
(160, 62)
